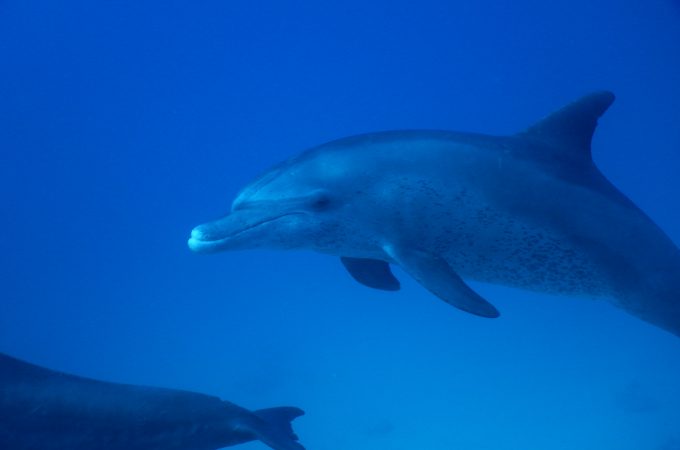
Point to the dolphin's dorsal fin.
(571, 128)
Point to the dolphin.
(530, 210)
(48, 410)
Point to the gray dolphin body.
(45, 410)
(529, 210)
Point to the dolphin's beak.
(204, 238)
(231, 232)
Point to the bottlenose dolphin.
(41, 409)
(529, 210)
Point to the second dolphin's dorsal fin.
(571, 128)
(272, 426)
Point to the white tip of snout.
(197, 234)
(196, 242)
(194, 245)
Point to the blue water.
(124, 123)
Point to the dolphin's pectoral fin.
(438, 277)
(373, 273)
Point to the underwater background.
(123, 124)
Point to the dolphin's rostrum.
(48, 410)
(529, 210)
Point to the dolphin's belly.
(500, 249)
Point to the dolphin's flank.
(48, 410)
(529, 210)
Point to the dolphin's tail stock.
(661, 309)
(670, 317)
(274, 427)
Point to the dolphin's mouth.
(228, 231)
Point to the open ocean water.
(123, 124)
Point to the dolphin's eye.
(321, 201)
